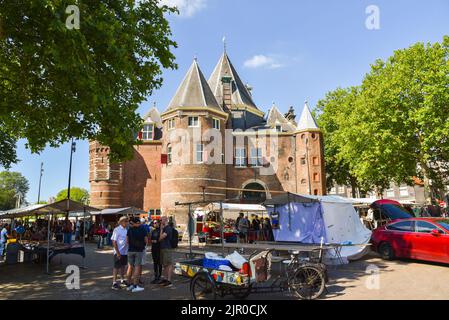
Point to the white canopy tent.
(342, 225)
(231, 210)
(120, 211)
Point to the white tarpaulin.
(341, 223)
(343, 226)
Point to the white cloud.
(186, 8)
(262, 61)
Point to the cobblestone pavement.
(397, 280)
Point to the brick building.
(211, 135)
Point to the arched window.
(254, 193)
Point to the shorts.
(120, 263)
(136, 258)
(243, 234)
(166, 257)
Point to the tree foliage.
(11, 184)
(57, 83)
(76, 194)
(397, 126)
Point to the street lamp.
(40, 182)
(72, 150)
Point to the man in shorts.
(166, 251)
(120, 252)
(137, 239)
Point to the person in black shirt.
(156, 251)
(137, 240)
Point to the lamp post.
(40, 182)
(72, 150)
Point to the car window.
(424, 227)
(444, 224)
(401, 226)
(395, 212)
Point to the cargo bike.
(305, 277)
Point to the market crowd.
(130, 240)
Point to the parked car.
(386, 210)
(416, 238)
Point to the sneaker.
(115, 286)
(167, 284)
(155, 281)
(131, 287)
(124, 283)
(137, 289)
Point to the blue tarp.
(302, 223)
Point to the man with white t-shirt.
(120, 252)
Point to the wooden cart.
(304, 278)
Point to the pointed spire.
(240, 95)
(224, 44)
(194, 91)
(306, 121)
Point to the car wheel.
(386, 251)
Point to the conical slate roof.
(240, 95)
(194, 91)
(306, 121)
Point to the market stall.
(42, 246)
(315, 219)
(208, 219)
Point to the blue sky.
(287, 50)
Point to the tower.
(105, 178)
(310, 171)
(194, 129)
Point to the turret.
(310, 171)
(192, 123)
(105, 178)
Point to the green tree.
(57, 83)
(11, 185)
(406, 102)
(398, 125)
(76, 194)
(330, 113)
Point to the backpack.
(174, 238)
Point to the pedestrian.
(243, 228)
(3, 239)
(268, 229)
(156, 251)
(137, 240)
(58, 232)
(120, 252)
(256, 227)
(77, 230)
(67, 230)
(165, 238)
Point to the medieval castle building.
(174, 161)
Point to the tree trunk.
(353, 188)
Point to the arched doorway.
(250, 196)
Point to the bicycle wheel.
(203, 287)
(308, 282)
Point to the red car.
(415, 238)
